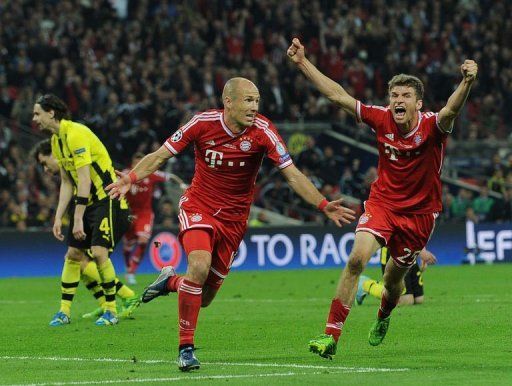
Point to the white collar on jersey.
(410, 133)
(226, 128)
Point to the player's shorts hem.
(375, 233)
(217, 273)
(401, 265)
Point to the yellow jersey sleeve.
(80, 147)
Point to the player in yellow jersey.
(42, 153)
(96, 221)
(413, 280)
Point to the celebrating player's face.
(404, 105)
(245, 105)
(42, 118)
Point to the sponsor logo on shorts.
(196, 217)
(177, 136)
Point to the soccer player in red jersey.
(140, 199)
(406, 197)
(229, 147)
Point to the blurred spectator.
(460, 204)
(501, 210)
(330, 167)
(497, 182)
(138, 69)
(166, 216)
(482, 204)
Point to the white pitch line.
(246, 364)
(21, 301)
(172, 379)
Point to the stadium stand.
(134, 70)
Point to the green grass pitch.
(256, 332)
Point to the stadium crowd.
(135, 70)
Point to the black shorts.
(413, 279)
(105, 222)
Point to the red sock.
(189, 304)
(136, 257)
(126, 254)
(174, 283)
(337, 315)
(386, 306)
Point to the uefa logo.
(177, 136)
(165, 250)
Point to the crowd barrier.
(40, 254)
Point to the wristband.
(81, 200)
(322, 204)
(133, 177)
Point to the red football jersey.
(409, 171)
(226, 164)
(140, 196)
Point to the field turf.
(256, 333)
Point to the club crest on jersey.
(364, 218)
(245, 144)
(177, 136)
(417, 139)
(196, 217)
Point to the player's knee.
(418, 300)
(198, 270)
(355, 264)
(100, 254)
(406, 300)
(75, 254)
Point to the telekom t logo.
(213, 158)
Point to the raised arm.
(147, 165)
(325, 85)
(304, 188)
(448, 113)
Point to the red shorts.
(226, 237)
(404, 234)
(141, 226)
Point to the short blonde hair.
(409, 81)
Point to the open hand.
(119, 188)
(338, 213)
(427, 258)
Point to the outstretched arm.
(325, 85)
(147, 165)
(456, 101)
(304, 188)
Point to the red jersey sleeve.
(186, 134)
(275, 147)
(158, 176)
(373, 116)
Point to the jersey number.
(104, 226)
